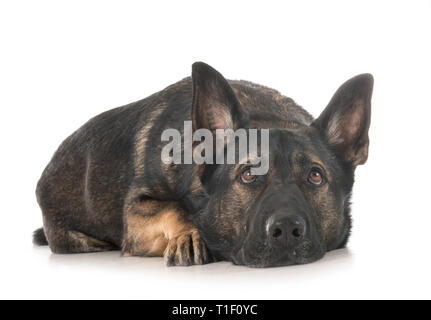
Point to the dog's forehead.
(293, 149)
(289, 150)
(292, 140)
(298, 146)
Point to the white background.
(63, 62)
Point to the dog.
(106, 187)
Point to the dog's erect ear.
(215, 105)
(346, 119)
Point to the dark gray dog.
(106, 187)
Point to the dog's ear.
(215, 105)
(346, 119)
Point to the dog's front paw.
(186, 249)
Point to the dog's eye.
(247, 177)
(315, 177)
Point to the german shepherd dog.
(107, 188)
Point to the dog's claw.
(186, 250)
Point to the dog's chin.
(271, 260)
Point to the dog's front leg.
(162, 228)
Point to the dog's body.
(106, 187)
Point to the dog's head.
(299, 209)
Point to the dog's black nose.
(286, 229)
